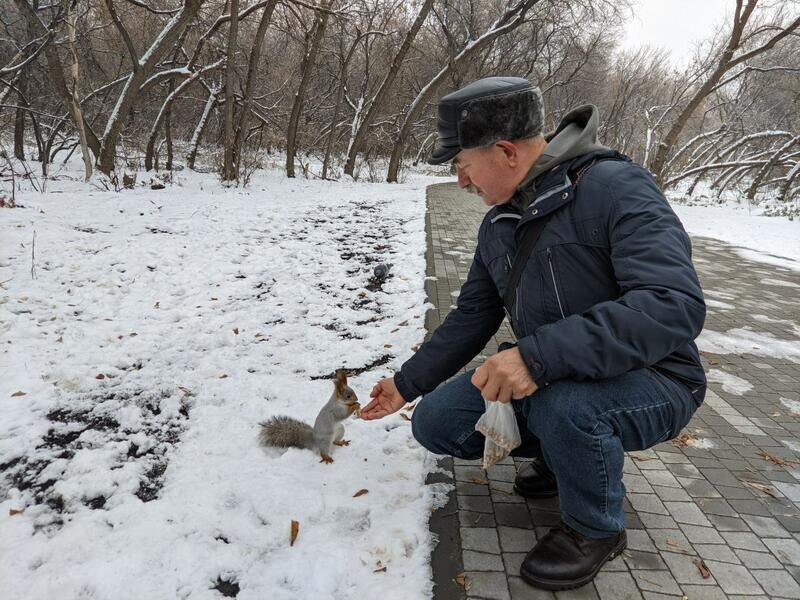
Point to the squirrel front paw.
(342, 443)
(327, 459)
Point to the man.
(605, 306)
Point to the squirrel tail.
(286, 432)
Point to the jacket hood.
(575, 135)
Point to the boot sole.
(536, 495)
(558, 585)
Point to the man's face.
(487, 173)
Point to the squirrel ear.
(341, 379)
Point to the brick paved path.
(731, 497)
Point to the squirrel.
(285, 432)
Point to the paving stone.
(684, 569)
(480, 539)
(724, 523)
(616, 586)
(778, 583)
(718, 552)
(488, 585)
(587, 592)
(514, 539)
(636, 483)
(671, 540)
(648, 503)
(464, 473)
(512, 561)
(766, 526)
(687, 512)
(787, 551)
(522, 591)
(471, 489)
(502, 473)
(639, 540)
(663, 478)
(684, 470)
(649, 561)
(671, 494)
(744, 540)
(704, 592)
(758, 560)
(475, 519)
(702, 535)
(481, 561)
(513, 515)
(475, 504)
(734, 579)
(656, 581)
(699, 488)
(653, 521)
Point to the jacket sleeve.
(660, 307)
(463, 334)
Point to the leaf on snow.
(19, 393)
(14, 511)
(295, 531)
(360, 493)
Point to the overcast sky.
(675, 24)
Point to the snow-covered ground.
(144, 336)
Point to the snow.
(742, 340)
(205, 310)
(792, 405)
(772, 240)
(730, 382)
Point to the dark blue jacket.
(610, 286)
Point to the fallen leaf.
(395, 329)
(702, 567)
(760, 487)
(403, 324)
(186, 392)
(236, 330)
(214, 298)
(641, 458)
(223, 376)
(133, 334)
(259, 334)
(13, 511)
(777, 459)
(360, 493)
(677, 546)
(60, 339)
(157, 305)
(415, 348)
(408, 407)
(99, 376)
(478, 480)
(387, 345)
(683, 440)
(405, 416)
(462, 580)
(713, 362)
(295, 531)
(381, 570)
(19, 393)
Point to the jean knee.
(423, 423)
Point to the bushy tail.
(286, 432)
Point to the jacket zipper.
(555, 286)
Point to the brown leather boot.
(564, 559)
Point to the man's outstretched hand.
(504, 376)
(385, 401)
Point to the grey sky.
(675, 24)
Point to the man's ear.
(510, 152)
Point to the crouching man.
(584, 255)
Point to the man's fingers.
(479, 377)
(375, 390)
(491, 390)
(505, 394)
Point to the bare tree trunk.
(75, 105)
(201, 125)
(306, 67)
(132, 89)
(509, 21)
(252, 70)
(380, 97)
(229, 169)
(19, 119)
(725, 64)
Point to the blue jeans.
(581, 429)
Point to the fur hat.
(485, 111)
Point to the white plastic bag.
(499, 425)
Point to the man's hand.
(385, 401)
(504, 376)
